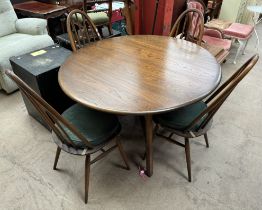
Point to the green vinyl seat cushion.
(180, 118)
(96, 126)
(99, 18)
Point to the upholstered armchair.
(212, 36)
(17, 37)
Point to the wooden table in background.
(40, 10)
(140, 75)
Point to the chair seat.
(97, 127)
(99, 18)
(223, 43)
(180, 118)
(238, 30)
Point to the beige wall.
(230, 10)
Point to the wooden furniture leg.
(149, 146)
(58, 150)
(188, 159)
(87, 174)
(206, 139)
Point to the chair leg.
(122, 153)
(188, 159)
(206, 139)
(58, 150)
(110, 29)
(244, 49)
(100, 31)
(240, 48)
(87, 174)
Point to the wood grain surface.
(140, 74)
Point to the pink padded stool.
(240, 32)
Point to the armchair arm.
(32, 26)
(214, 32)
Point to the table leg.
(149, 145)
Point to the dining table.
(141, 75)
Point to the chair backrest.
(197, 4)
(53, 119)
(90, 4)
(81, 30)
(7, 18)
(215, 101)
(189, 26)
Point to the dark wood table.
(140, 75)
(39, 9)
(42, 10)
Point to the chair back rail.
(81, 30)
(53, 119)
(215, 101)
(189, 26)
(197, 4)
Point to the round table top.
(255, 8)
(139, 74)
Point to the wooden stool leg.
(206, 139)
(58, 150)
(87, 174)
(188, 159)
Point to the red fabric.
(224, 43)
(195, 5)
(213, 33)
(116, 15)
(238, 30)
(196, 23)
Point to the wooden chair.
(194, 120)
(81, 30)
(100, 17)
(78, 131)
(189, 26)
(212, 36)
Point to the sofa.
(17, 37)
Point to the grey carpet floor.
(225, 176)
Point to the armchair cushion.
(14, 45)
(180, 118)
(238, 30)
(224, 43)
(213, 32)
(32, 26)
(7, 18)
(96, 126)
(99, 18)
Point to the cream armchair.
(17, 37)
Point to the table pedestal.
(149, 146)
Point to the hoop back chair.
(68, 137)
(189, 26)
(100, 17)
(81, 30)
(194, 120)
